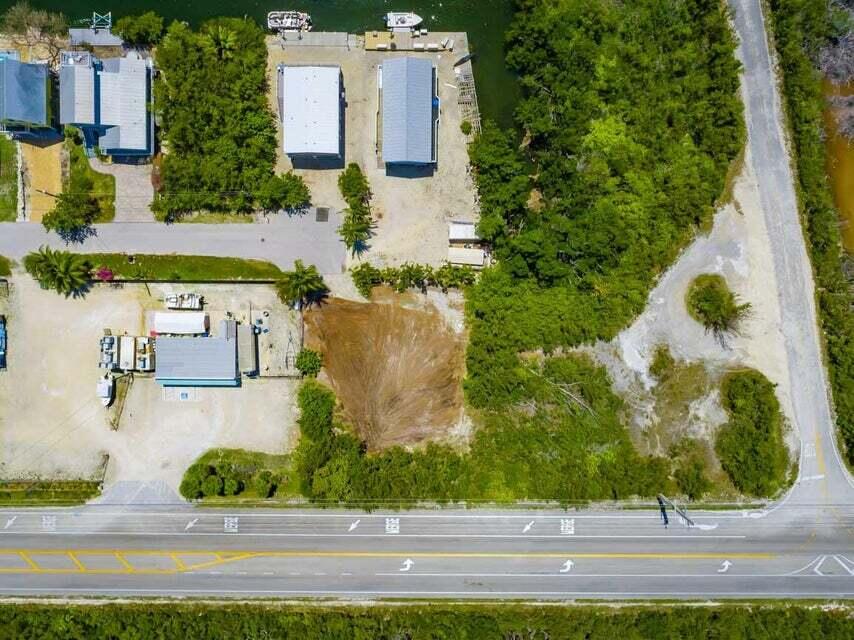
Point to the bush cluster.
(411, 276)
(356, 227)
(750, 445)
(211, 96)
(801, 28)
(309, 362)
(231, 472)
(569, 444)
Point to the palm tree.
(301, 286)
(65, 272)
(224, 41)
(354, 232)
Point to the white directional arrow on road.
(407, 565)
(528, 527)
(353, 526)
(190, 524)
(567, 566)
(10, 521)
(725, 565)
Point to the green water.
(484, 20)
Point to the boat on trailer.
(402, 21)
(288, 21)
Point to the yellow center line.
(127, 565)
(26, 558)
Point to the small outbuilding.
(311, 109)
(409, 110)
(180, 323)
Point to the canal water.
(840, 165)
(485, 21)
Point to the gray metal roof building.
(198, 362)
(23, 93)
(407, 86)
(111, 96)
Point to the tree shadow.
(78, 235)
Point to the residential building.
(24, 95)
(409, 111)
(109, 100)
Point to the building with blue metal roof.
(24, 94)
(408, 111)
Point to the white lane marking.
(806, 566)
(353, 525)
(705, 527)
(567, 526)
(231, 524)
(843, 565)
(810, 478)
(809, 450)
(161, 534)
(528, 527)
(574, 575)
(191, 524)
(392, 526)
(567, 566)
(818, 566)
(407, 565)
(10, 522)
(725, 565)
(49, 523)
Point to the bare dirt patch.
(397, 372)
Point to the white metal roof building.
(180, 322)
(461, 231)
(407, 86)
(77, 89)
(311, 109)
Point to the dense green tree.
(140, 30)
(74, 211)
(712, 304)
(65, 272)
(287, 191)
(303, 285)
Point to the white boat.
(184, 301)
(288, 21)
(402, 21)
(106, 389)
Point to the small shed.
(180, 323)
(247, 350)
(462, 256)
(461, 232)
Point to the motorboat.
(182, 301)
(288, 21)
(402, 21)
(106, 390)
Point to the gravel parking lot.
(53, 425)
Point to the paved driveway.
(283, 240)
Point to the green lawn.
(52, 493)
(5, 266)
(8, 180)
(103, 185)
(178, 267)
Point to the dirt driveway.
(53, 425)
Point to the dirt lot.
(42, 173)
(396, 371)
(53, 425)
(411, 212)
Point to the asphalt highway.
(801, 546)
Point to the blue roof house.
(409, 111)
(24, 95)
(109, 100)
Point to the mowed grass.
(54, 493)
(103, 185)
(179, 267)
(8, 180)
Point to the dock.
(317, 39)
(410, 41)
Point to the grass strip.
(180, 267)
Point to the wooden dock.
(410, 41)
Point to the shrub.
(232, 486)
(366, 277)
(662, 362)
(356, 227)
(145, 29)
(191, 484)
(263, 484)
(5, 266)
(750, 446)
(712, 304)
(212, 486)
(317, 404)
(410, 275)
(691, 478)
(465, 127)
(309, 362)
